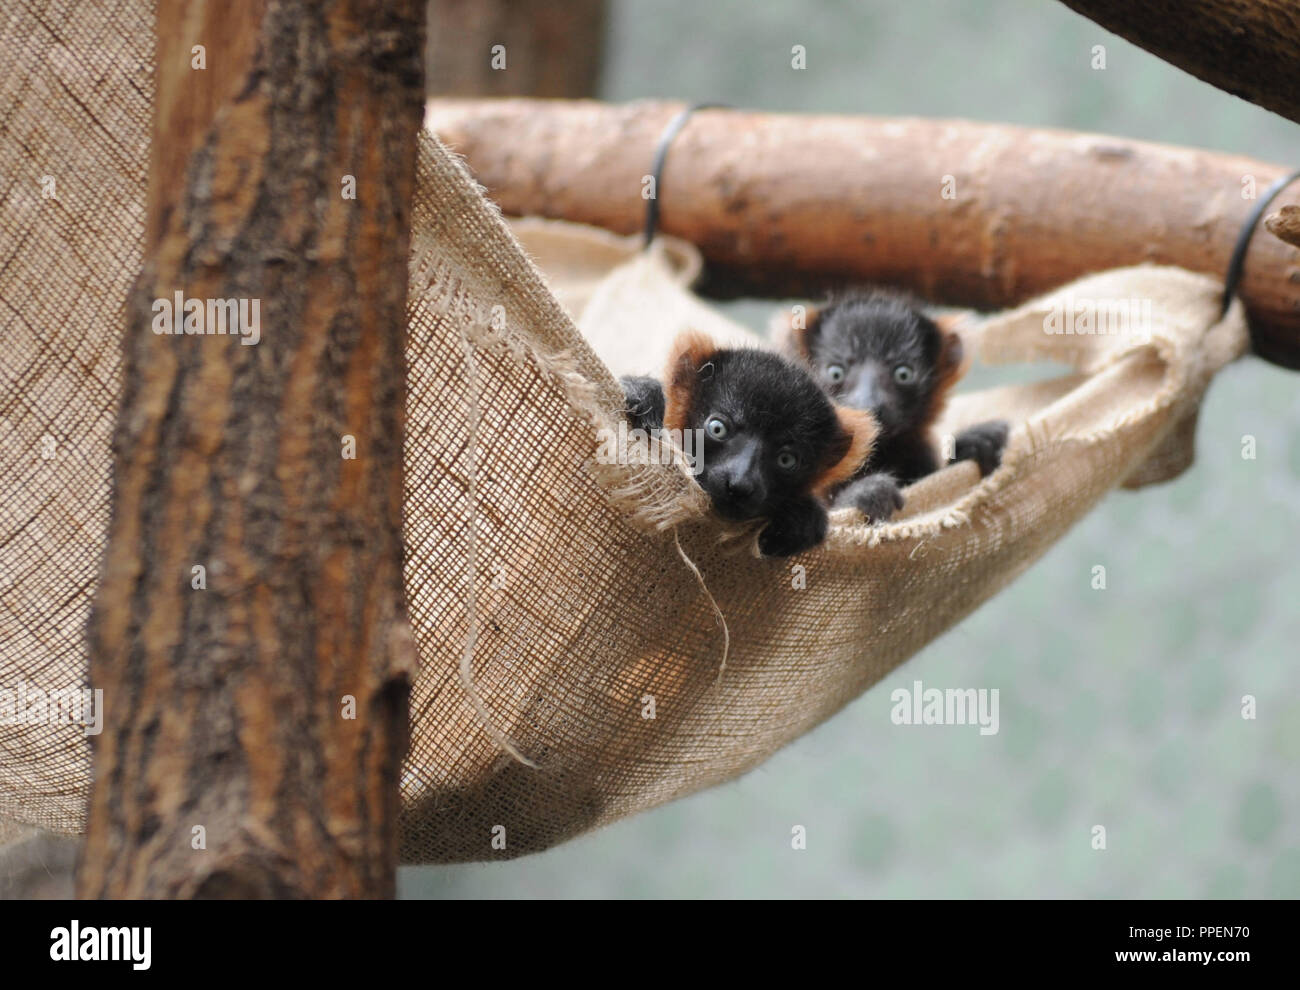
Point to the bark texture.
(1249, 48)
(1285, 224)
(228, 765)
(548, 49)
(970, 214)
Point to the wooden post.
(250, 631)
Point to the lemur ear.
(795, 329)
(949, 367)
(858, 431)
(950, 322)
(689, 363)
(953, 361)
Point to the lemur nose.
(866, 396)
(739, 486)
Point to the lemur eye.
(904, 374)
(787, 460)
(716, 428)
(835, 373)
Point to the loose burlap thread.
(596, 651)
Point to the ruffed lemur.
(771, 442)
(876, 350)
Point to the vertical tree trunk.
(250, 632)
(548, 49)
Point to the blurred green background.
(1119, 707)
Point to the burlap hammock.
(565, 583)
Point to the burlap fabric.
(596, 650)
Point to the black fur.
(875, 495)
(769, 407)
(983, 444)
(644, 402)
(868, 336)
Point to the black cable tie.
(1238, 261)
(661, 154)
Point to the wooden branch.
(1249, 48)
(546, 48)
(253, 579)
(970, 214)
(1285, 224)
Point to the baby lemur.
(876, 350)
(771, 442)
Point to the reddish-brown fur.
(693, 349)
(860, 426)
(691, 352)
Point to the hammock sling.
(594, 647)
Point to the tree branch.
(972, 214)
(1249, 48)
(1285, 224)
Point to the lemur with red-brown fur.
(773, 444)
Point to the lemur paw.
(794, 530)
(983, 444)
(643, 402)
(877, 496)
